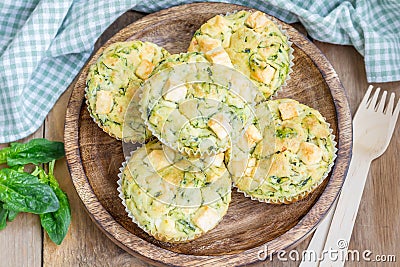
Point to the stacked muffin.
(251, 43)
(206, 121)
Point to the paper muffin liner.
(304, 194)
(110, 133)
(291, 50)
(154, 234)
(291, 56)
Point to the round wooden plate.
(94, 158)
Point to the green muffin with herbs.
(173, 197)
(291, 151)
(112, 87)
(195, 118)
(251, 43)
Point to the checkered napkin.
(44, 44)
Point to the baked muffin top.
(173, 197)
(112, 87)
(291, 151)
(186, 106)
(251, 43)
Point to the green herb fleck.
(286, 133)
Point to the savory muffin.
(291, 152)
(191, 114)
(250, 42)
(177, 59)
(172, 197)
(112, 85)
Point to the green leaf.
(56, 223)
(11, 215)
(4, 153)
(3, 217)
(18, 168)
(6, 215)
(23, 192)
(35, 151)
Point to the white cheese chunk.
(257, 20)
(104, 102)
(144, 70)
(158, 160)
(219, 159)
(167, 227)
(148, 53)
(219, 125)
(310, 153)
(215, 26)
(219, 56)
(263, 75)
(206, 43)
(206, 218)
(288, 110)
(280, 166)
(176, 94)
(253, 134)
(237, 167)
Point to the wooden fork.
(373, 127)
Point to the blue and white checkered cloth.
(44, 44)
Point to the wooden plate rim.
(149, 252)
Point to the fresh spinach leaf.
(6, 215)
(3, 217)
(55, 223)
(18, 168)
(38, 192)
(11, 215)
(24, 192)
(35, 151)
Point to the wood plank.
(84, 244)
(21, 240)
(378, 214)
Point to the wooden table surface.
(23, 242)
